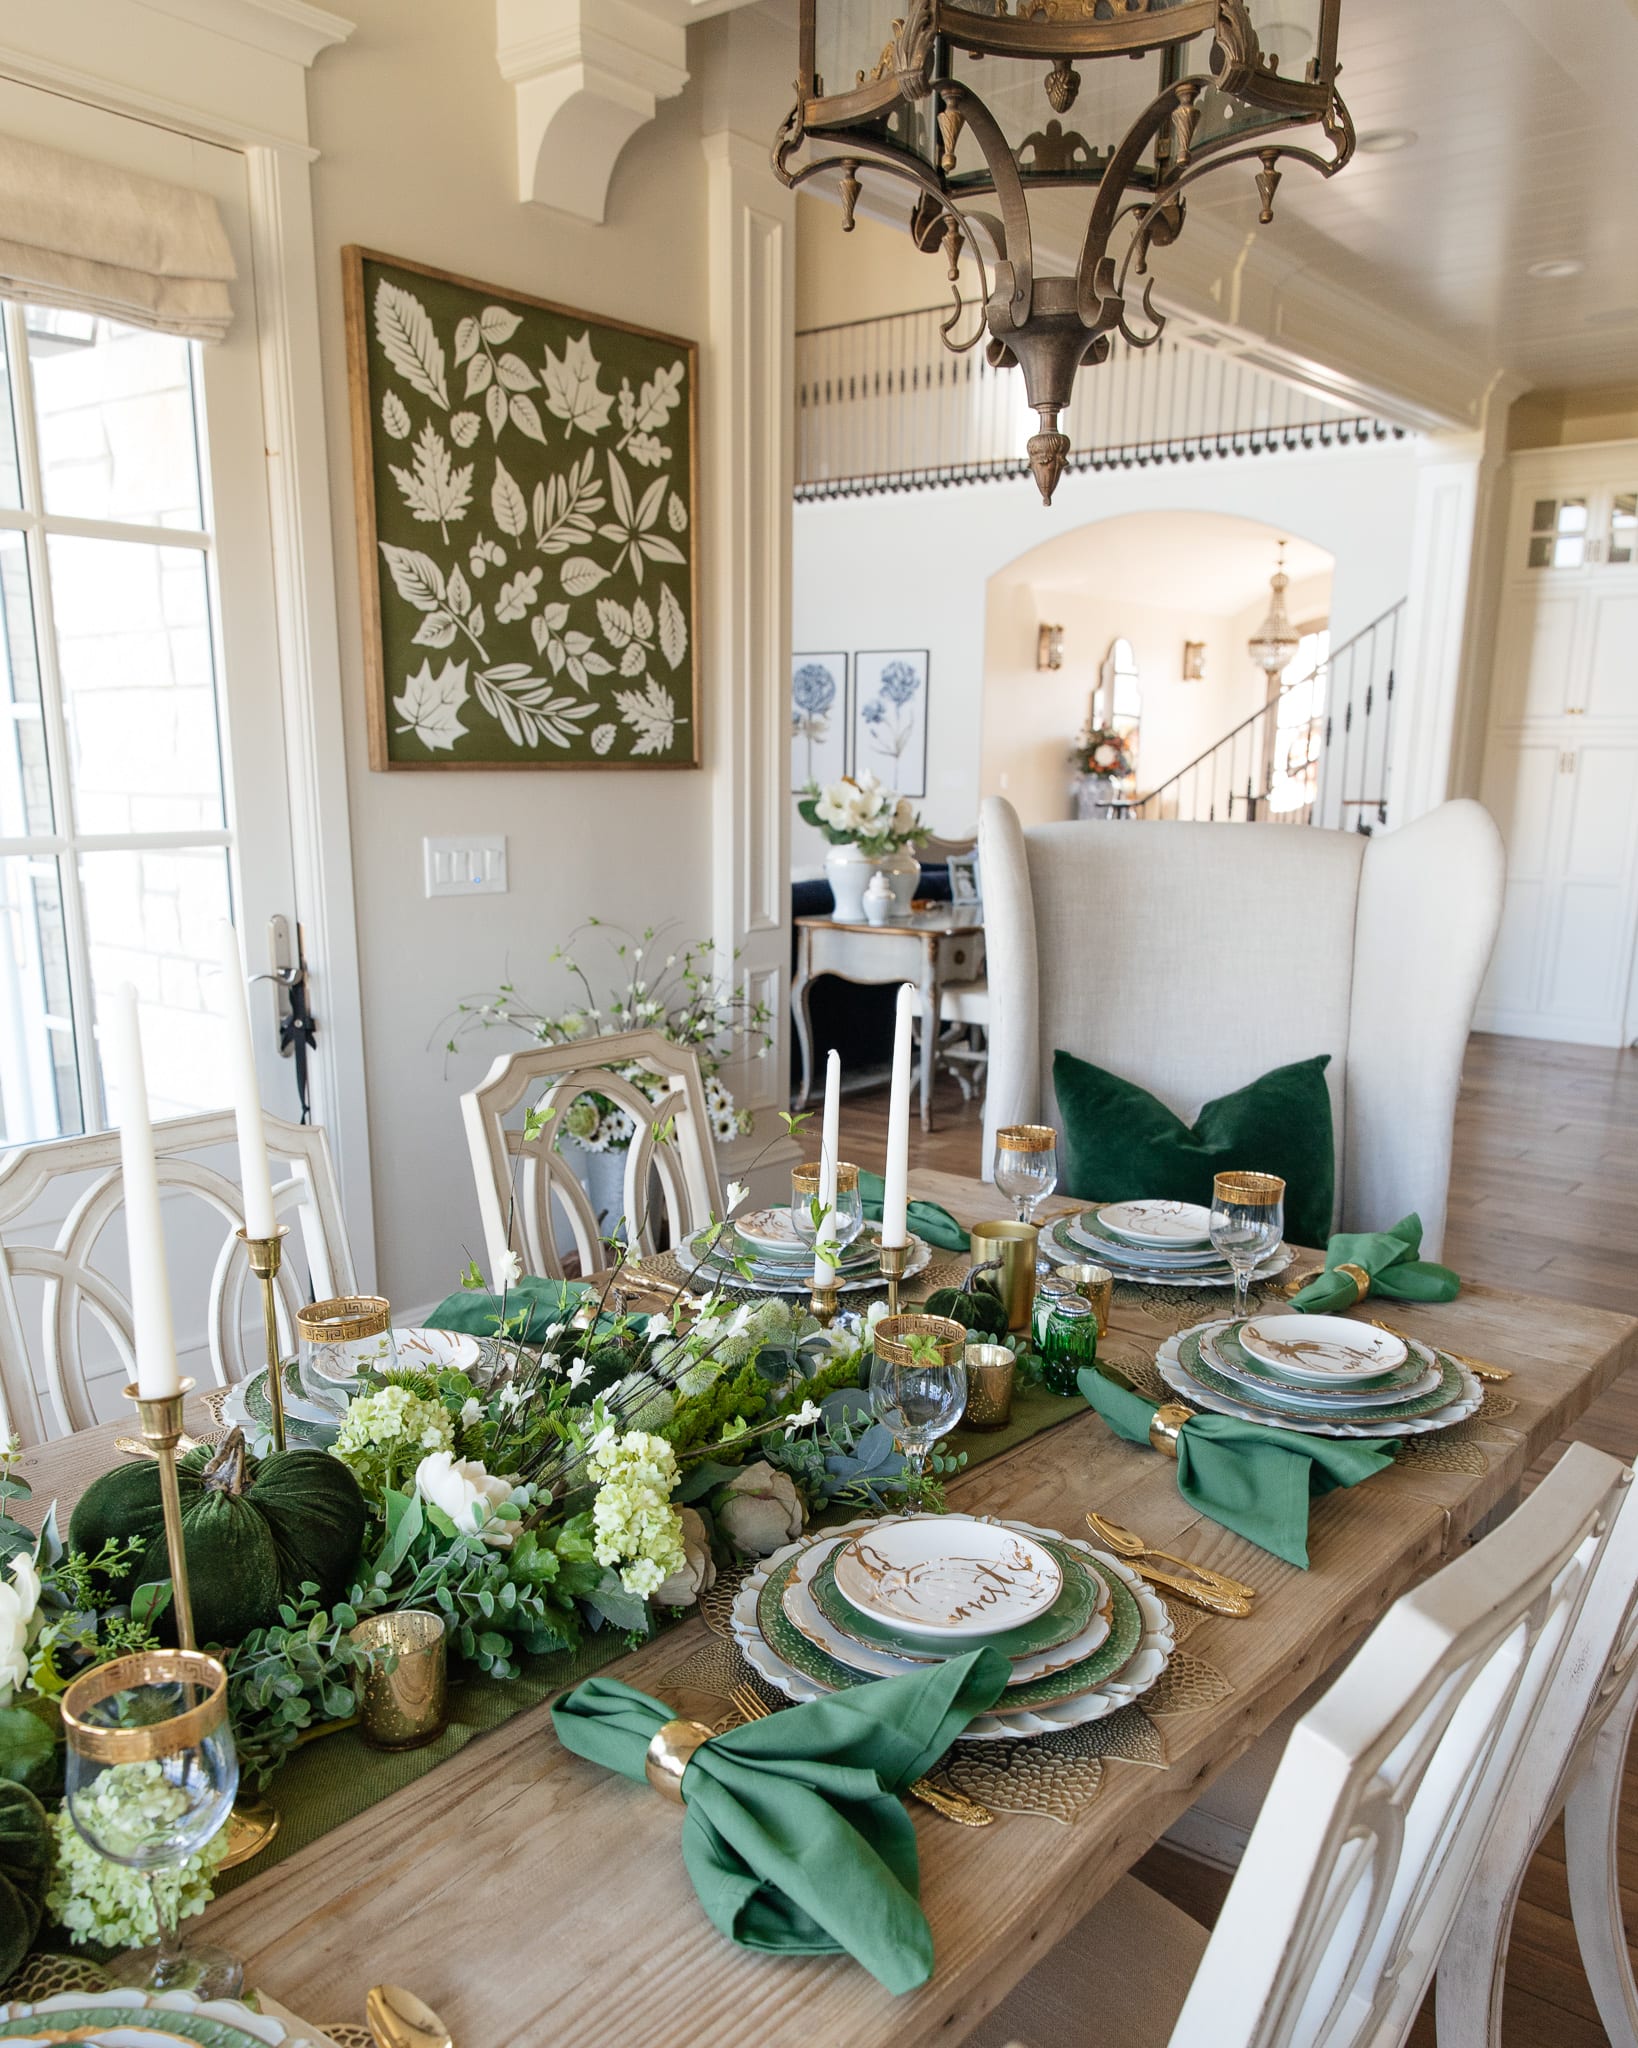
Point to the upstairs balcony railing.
(882, 405)
(1317, 753)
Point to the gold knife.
(1197, 1595)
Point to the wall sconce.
(1049, 647)
(1194, 661)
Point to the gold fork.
(954, 1806)
(1479, 1368)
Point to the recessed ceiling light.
(1384, 141)
(1556, 267)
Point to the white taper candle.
(255, 1182)
(154, 1337)
(824, 1273)
(896, 1192)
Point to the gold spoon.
(398, 2019)
(1128, 1543)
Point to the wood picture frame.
(527, 486)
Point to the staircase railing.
(1318, 752)
(882, 405)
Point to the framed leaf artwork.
(526, 481)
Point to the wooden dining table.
(535, 1899)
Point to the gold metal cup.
(1096, 1287)
(990, 1371)
(1014, 1245)
(403, 1699)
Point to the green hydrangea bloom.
(96, 1900)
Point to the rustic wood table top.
(531, 1897)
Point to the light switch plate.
(473, 865)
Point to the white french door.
(143, 792)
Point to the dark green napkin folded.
(794, 1835)
(1389, 1256)
(478, 1314)
(1253, 1479)
(926, 1219)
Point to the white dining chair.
(1193, 958)
(530, 1191)
(63, 1271)
(1384, 1810)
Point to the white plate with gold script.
(948, 1577)
(1322, 1350)
(1164, 1226)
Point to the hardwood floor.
(1544, 1198)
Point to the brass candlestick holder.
(894, 1258)
(822, 1305)
(266, 1255)
(161, 1421)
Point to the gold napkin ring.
(1360, 1278)
(1166, 1426)
(670, 1753)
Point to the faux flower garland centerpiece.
(869, 828)
(652, 984)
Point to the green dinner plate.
(1192, 1357)
(299, 1429)
(91, 2018)
(1331, 1397)
(1068, 1616)
(1113, 1654)
(1179, 1276)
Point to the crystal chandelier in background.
(1275, 640)
(980, 104)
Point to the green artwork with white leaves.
(526, 498)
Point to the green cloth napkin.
(478, 1314)
(1389, 1256)
(1254, 1479)
(794, 1835)
(926, 1219)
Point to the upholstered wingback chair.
(1192, 958)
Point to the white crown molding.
(586, 75)
(282, 28)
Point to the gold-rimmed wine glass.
(1247, 1219)
(150, 1777)
(848, 1218)
(1026, 1165)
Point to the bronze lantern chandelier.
(979, 105)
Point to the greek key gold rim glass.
(805, 1178)
(1026, 1138)
(156, 1738)
(890, 1338)
(344, 1319)
(1248, 1190)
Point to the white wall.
(912, 570)
(415, 127)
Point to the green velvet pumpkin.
(980, 1309)
(25, 1872)
(255, 1530)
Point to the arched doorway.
(1162, 583)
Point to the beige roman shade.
(88, 236)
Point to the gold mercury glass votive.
(1013, 1244)
(403, 1696)
(990, 1370)
(1096, 1287)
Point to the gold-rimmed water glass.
(1247, 1219)
(1026, 1165)
(848, 1217)
(918, 1385)
(150, 1776)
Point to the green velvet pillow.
(1122, 1144)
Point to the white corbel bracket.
(587, 74)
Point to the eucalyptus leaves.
(531, 505)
